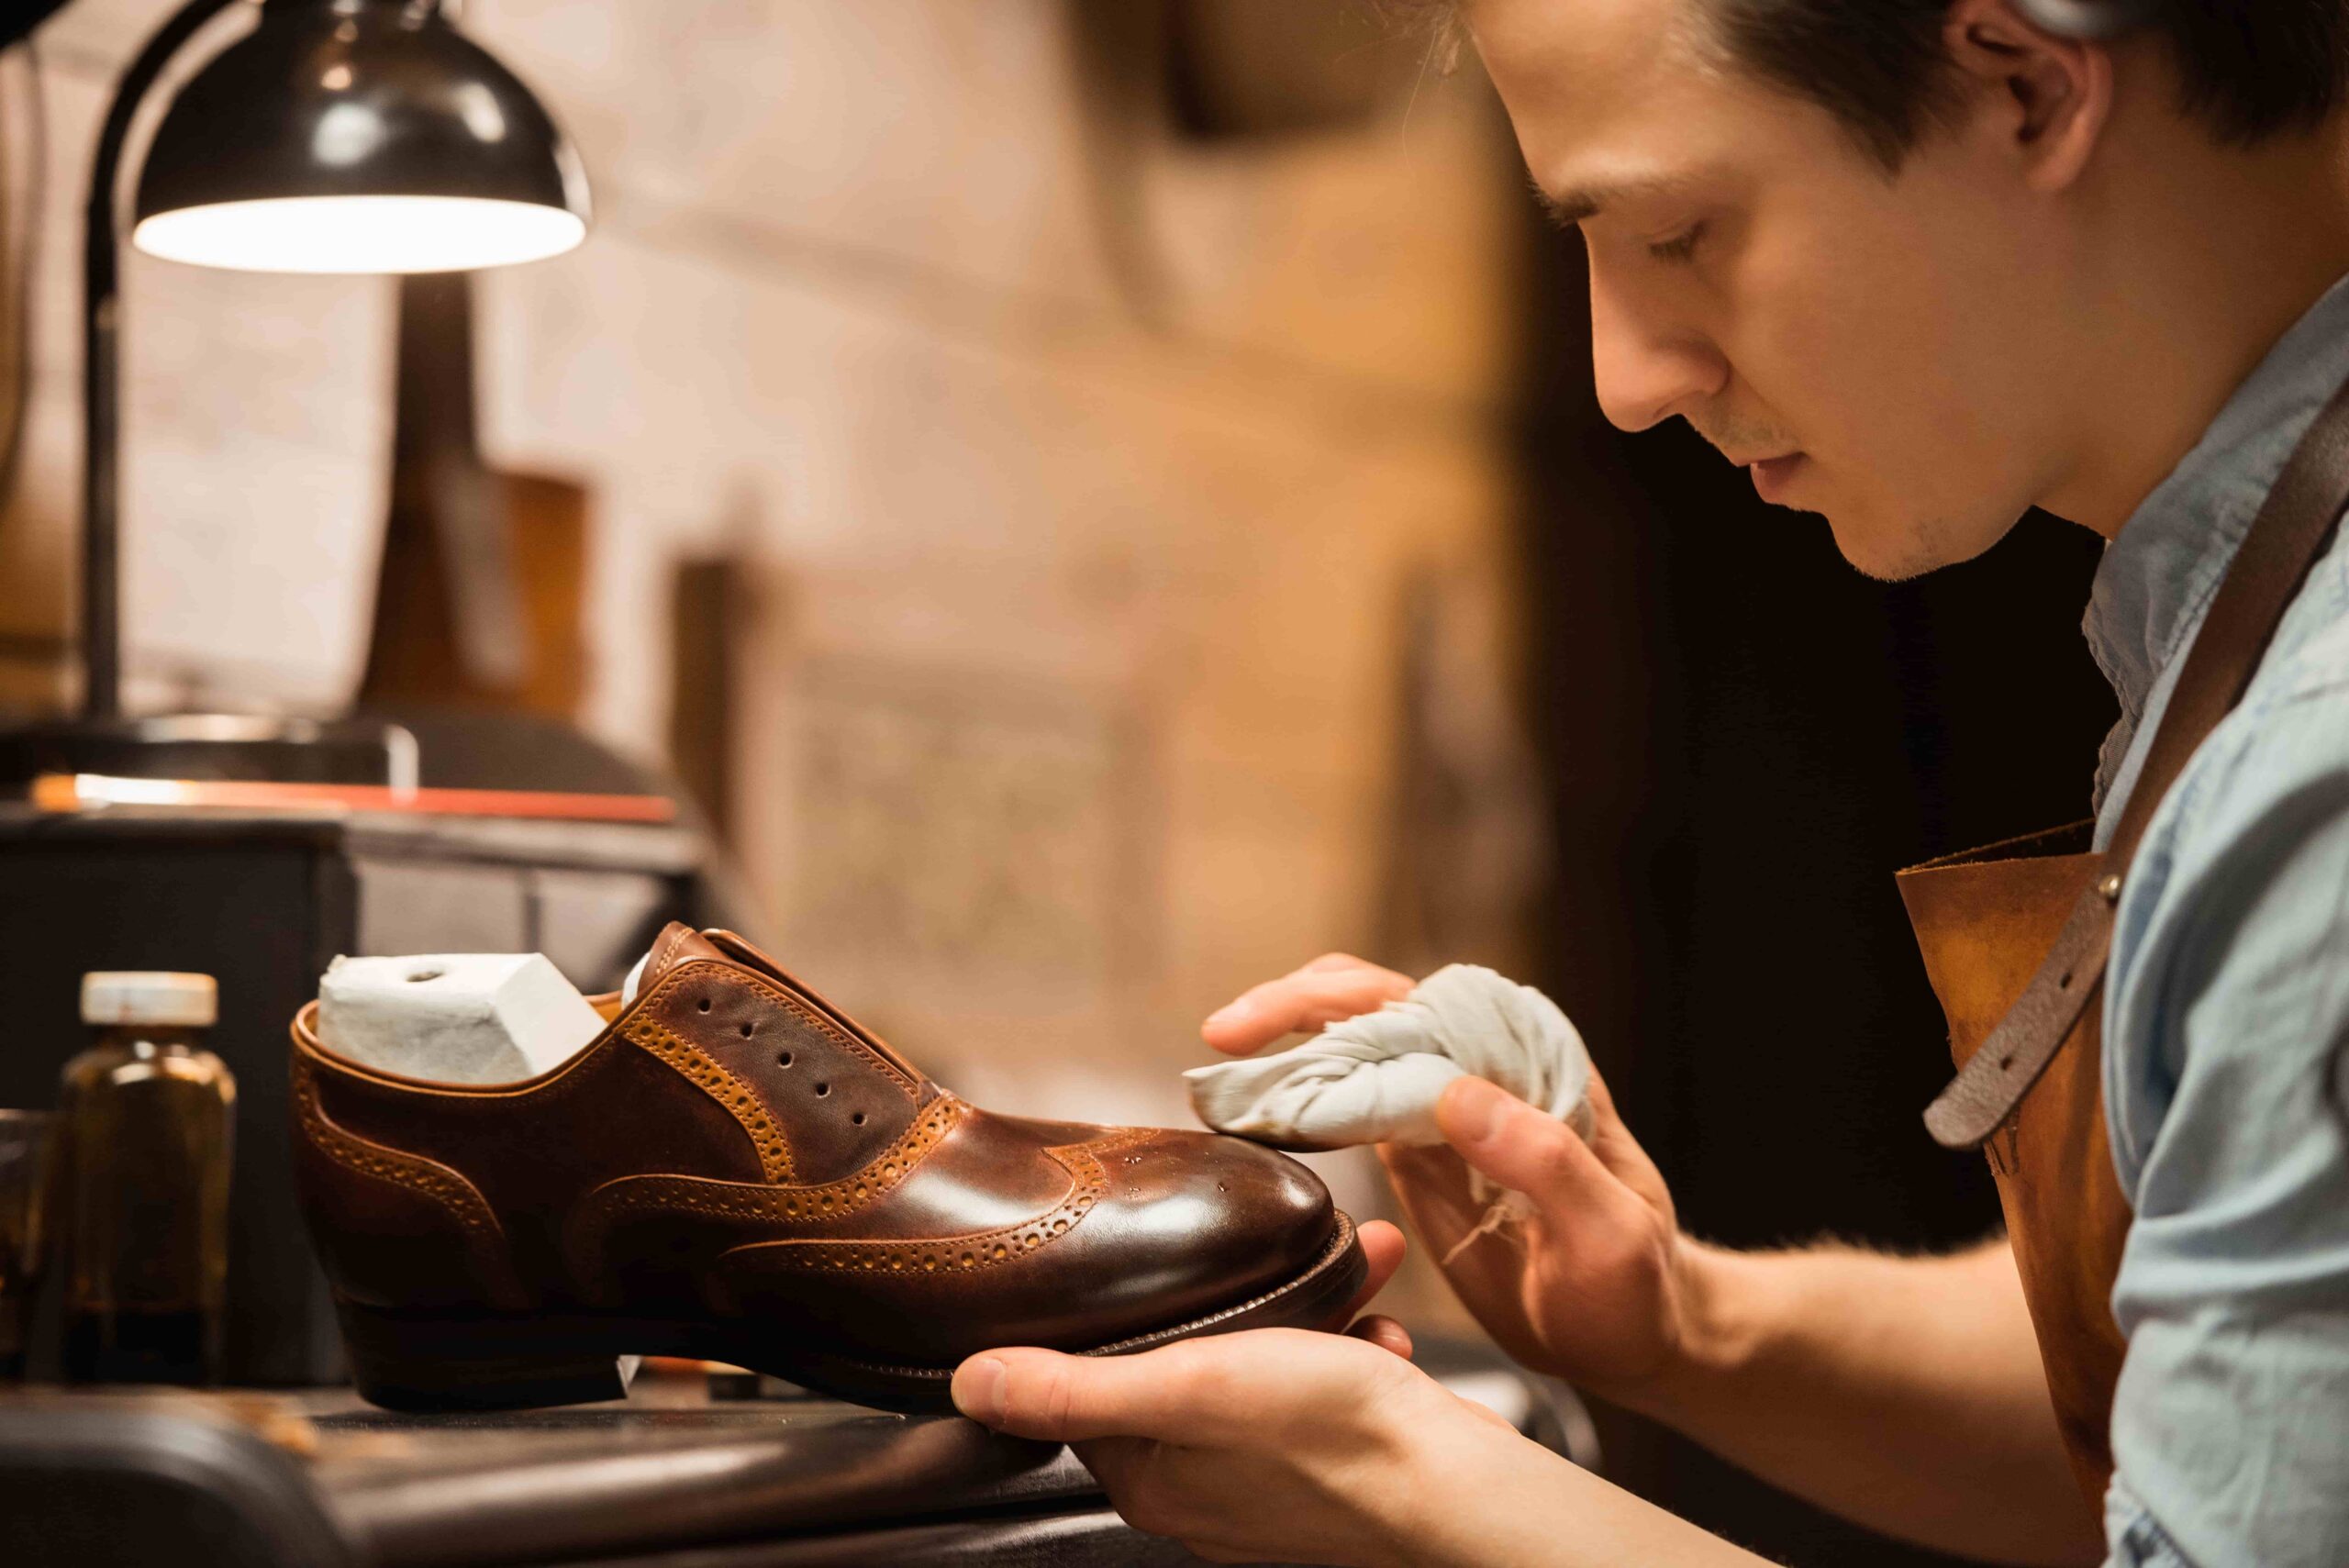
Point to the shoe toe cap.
(1171, 1230)
(1205, 1220)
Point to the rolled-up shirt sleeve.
(2226, 1023)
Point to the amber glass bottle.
(144, 1124)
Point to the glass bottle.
(145, 1119)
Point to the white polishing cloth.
(1375, 1079)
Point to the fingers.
(1384, 1332)
(1033, 1392)
(1521, 1147)
(1383, 1247)
(1620, 1152)
(1602, 1099)
(1332, 987)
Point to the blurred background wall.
(1083, 429)
(1102, 503)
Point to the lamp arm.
(101, 368)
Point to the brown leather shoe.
(735, 1170)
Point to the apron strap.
(2284, 541)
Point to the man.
(1921, 264)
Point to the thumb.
(1033, 1392)
(1522, 1149)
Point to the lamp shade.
(358, 136)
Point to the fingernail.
(1229, 1012)
(978, 1389)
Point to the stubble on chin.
(1894, 549)
(1889, 547)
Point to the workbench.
(678, 1475)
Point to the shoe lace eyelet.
(746, 1031)
(705, 1004)
(858, 1119)
(784, 1060)
(823, 1088)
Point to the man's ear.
(2049, 96)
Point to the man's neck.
(2191, 313)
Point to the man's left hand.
(1269, 1444)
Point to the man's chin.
(1896, 550)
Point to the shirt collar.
(2158, 573)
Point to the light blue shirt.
(2226, 1023)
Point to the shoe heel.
(420, 1361)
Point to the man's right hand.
(1594, 1285)
(1905, 1393)
(1597, 1285)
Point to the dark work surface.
(672, 1475)
(1091, 1537)
(323, 1478)
(424, 1491)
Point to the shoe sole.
(443, 1360)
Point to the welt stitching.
(1340, 1240)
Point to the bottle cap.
(156, 997)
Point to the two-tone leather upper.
(732, 1144)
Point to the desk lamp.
(337, 136)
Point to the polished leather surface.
(733, 1148)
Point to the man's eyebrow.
(1577, 203)
(1565, 208)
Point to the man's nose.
(1648, 366)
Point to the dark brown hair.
(2251, 67)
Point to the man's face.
(1887, 350)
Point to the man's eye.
(1680, 246)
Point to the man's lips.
(1772, 474)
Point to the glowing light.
(346, 134)
(359, 234)
(478, 107)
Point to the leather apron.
(2014, 938)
